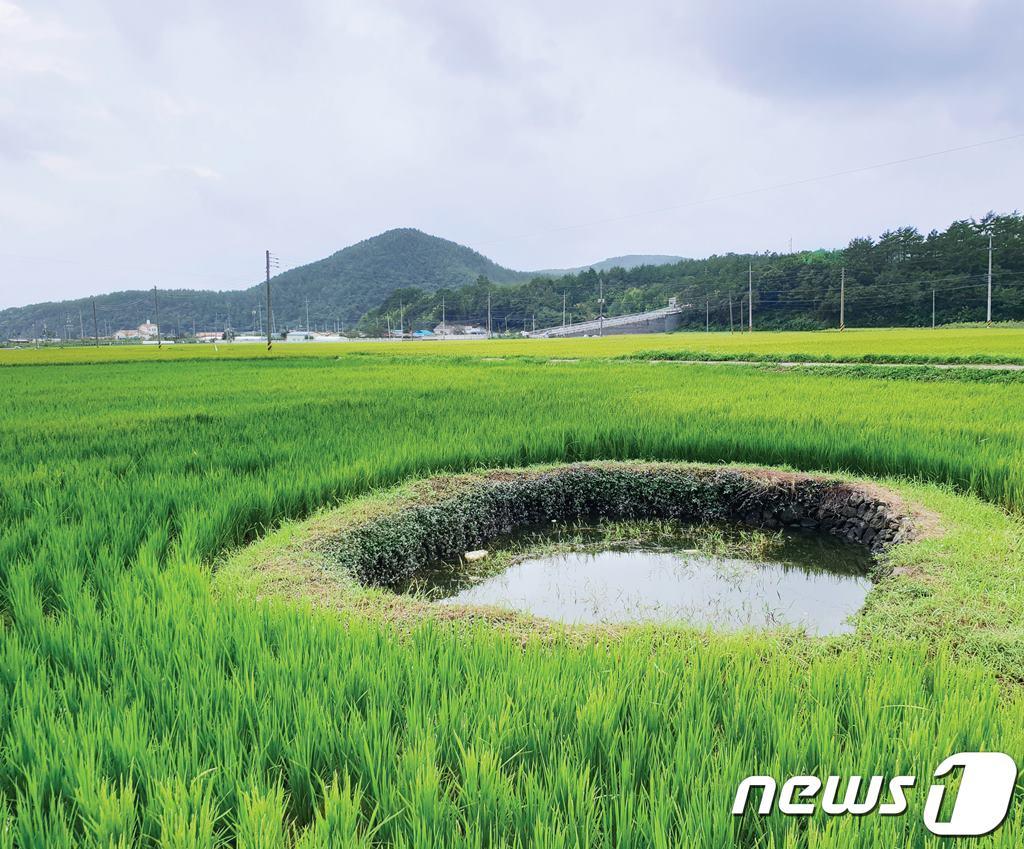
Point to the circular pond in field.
(724, 578)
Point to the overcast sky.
(170, 143)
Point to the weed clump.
(390, 548)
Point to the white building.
(450, 329)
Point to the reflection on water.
(815, 582)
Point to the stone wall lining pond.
(465, 513)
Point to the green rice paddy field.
(146, 701)
(980, 345)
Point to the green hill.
(340, 287)
(628, 262)
(889, 281)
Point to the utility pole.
(730, 312)
(95, 323)
(842, 300)
(488, 315)
(270, 341)
(988, 316)
(707, 314)
(750, 297)
(81, 327)
(600, 303)
(389, 324)
(156, 307)
(933, 309)
(444, 324)
(307, 315)
(563, 308)
(535, 322)
(401, 320)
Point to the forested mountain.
(339, 288)
(408, 275)
(889, 282)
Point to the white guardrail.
(595, 325)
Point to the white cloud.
(32, 44)
(192, 136)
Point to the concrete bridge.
(654, 321)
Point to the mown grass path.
(842, 364)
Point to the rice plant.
(981, 345)
(139, 708)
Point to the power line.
(638, 213)
(988, 319)
(842, 301)
(156, 306)
(768, 188)
(270, 313)
(750, 296)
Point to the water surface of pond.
(810, 581)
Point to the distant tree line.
(329, 293)
(889, 282)
(407, 279)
